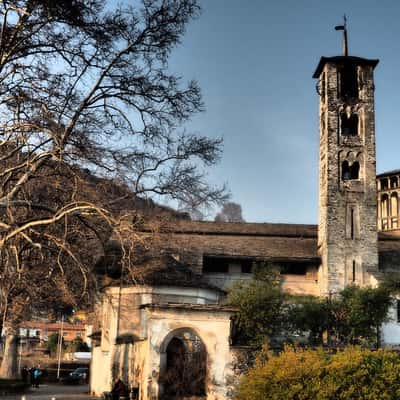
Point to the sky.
(254, 62)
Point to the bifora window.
(350, 172)
(349, 124)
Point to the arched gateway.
(183, 366)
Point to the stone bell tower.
(347, 231)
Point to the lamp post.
(59, 346)
(19, 350)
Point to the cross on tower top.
(344, 29)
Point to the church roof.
(263, 241)
(389, 173)
(342, 60)
(241, 228)
(166, 271)
(273, 242)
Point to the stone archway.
(183, 367)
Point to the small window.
(215, 265)
(246, 266)
(226, 265)
(345, 171)
(393, 182)
(352, 223)
(293, 268)
(354, 170)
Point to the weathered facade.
(148, 329)
(144, 329)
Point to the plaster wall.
(291, 283)
(100, 376)
(131, 361)
(301, 284)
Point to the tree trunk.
(9, 364)
(378, 337)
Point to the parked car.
(80, 375)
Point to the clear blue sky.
(254, 61)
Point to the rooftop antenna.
(344, 29)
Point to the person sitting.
(119, 390)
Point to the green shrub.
(260, 307)
(301, 374)
(77, 345)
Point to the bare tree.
(85, 85)
(230, 212)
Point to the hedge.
(313, 374)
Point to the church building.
(176, 310)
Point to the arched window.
(349, 124)
(385, 206)
(393, 205)
(394, 211)
(384, 184)
(354, 170)
(393, 182)
(345, 171)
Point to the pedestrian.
(32, 376)
(36, 376)
(24, 374)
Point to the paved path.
(58, 392)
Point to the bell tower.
(347, 231)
